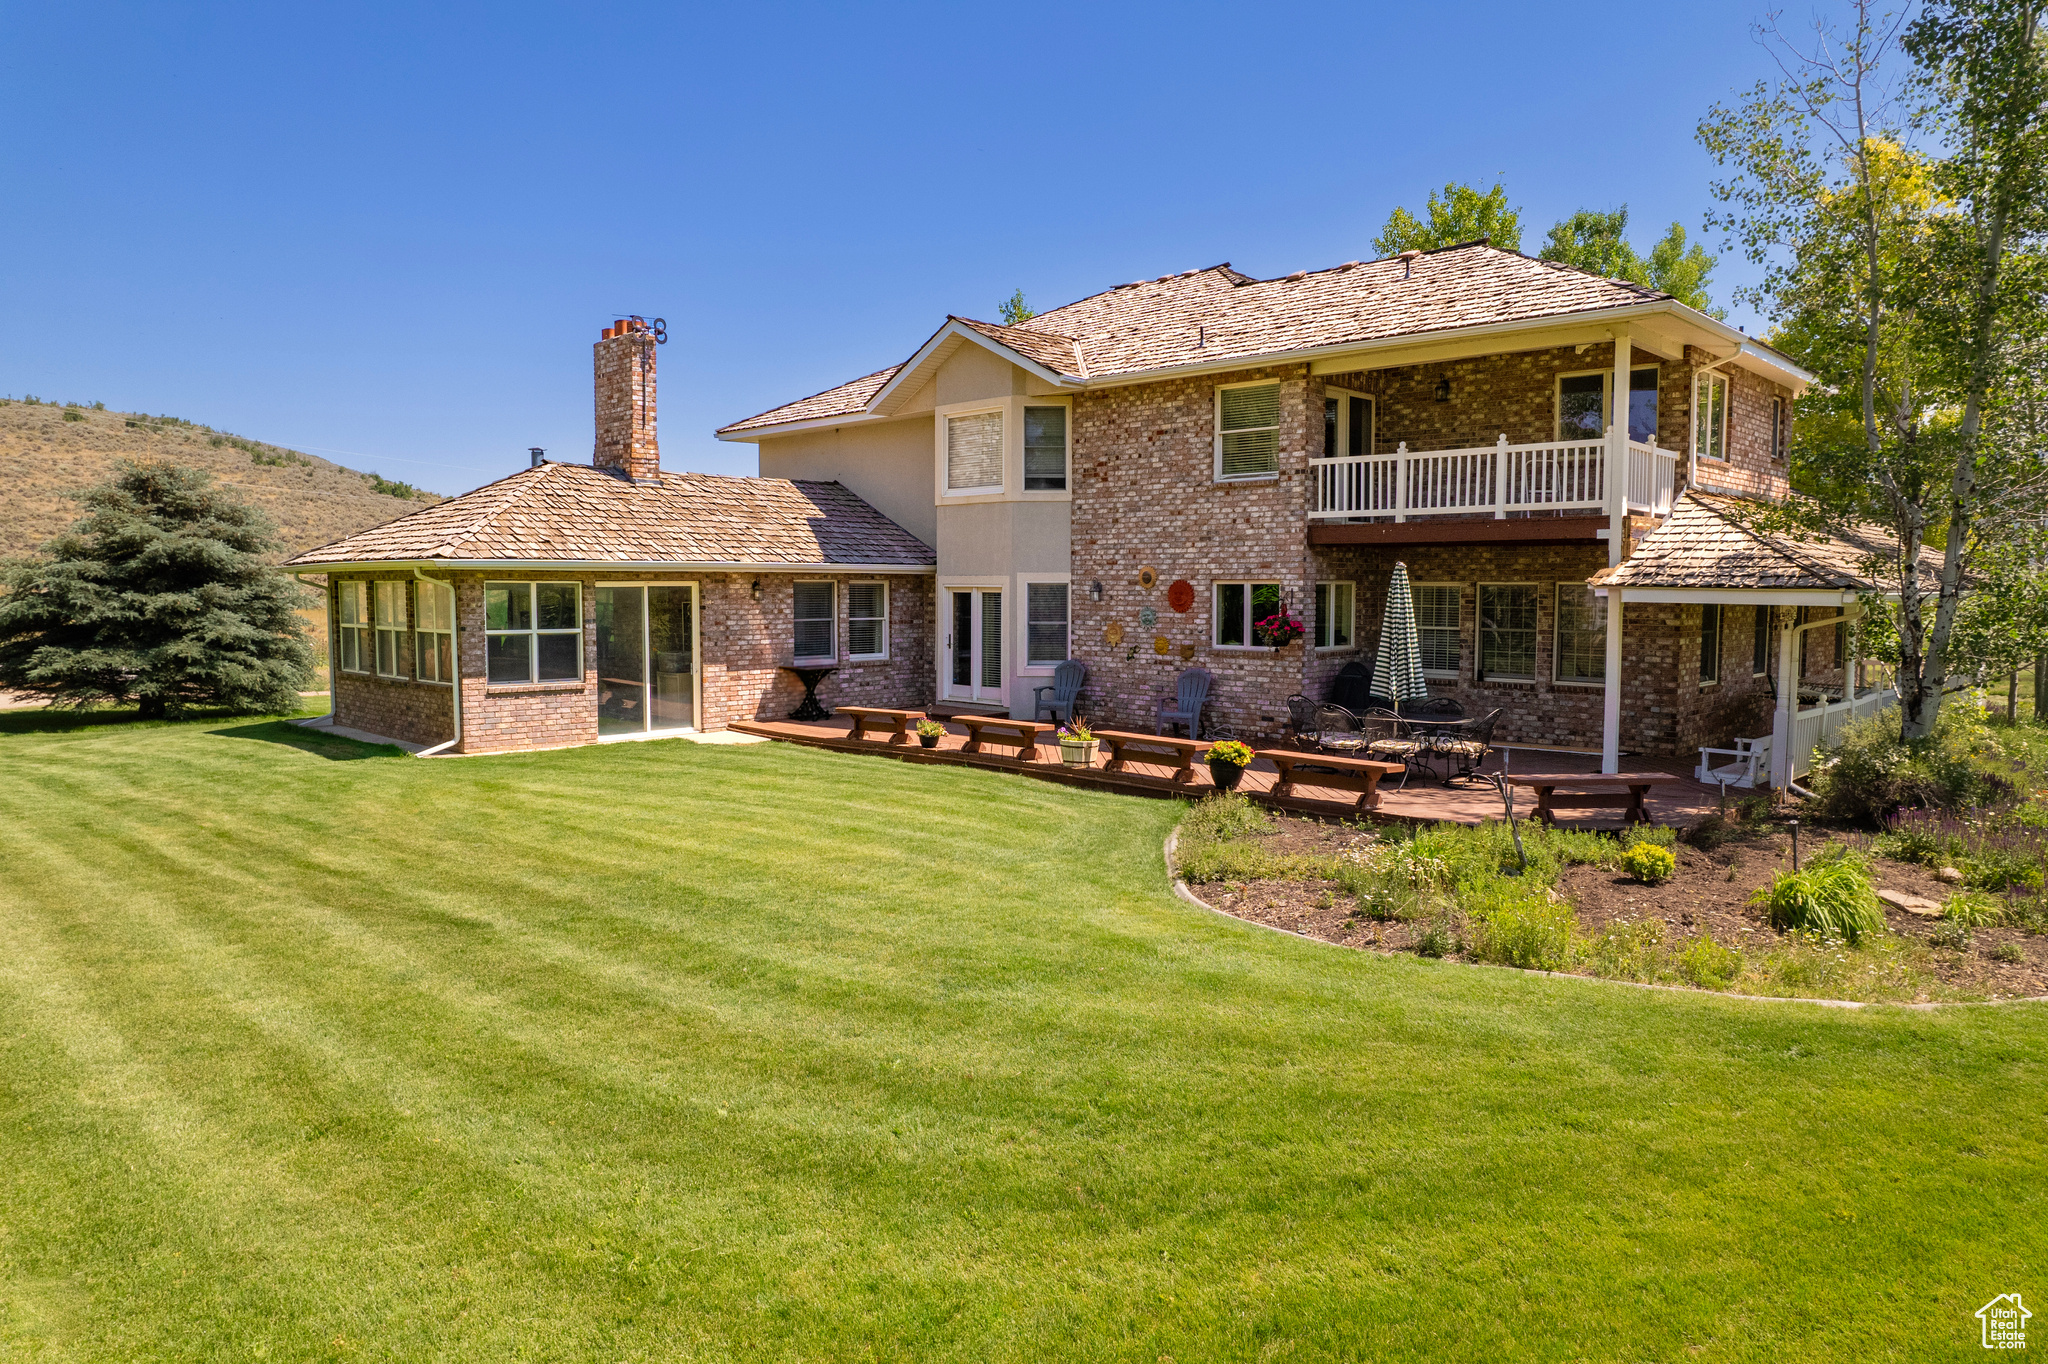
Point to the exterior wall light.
(756, 589)
(1443, 390)
(1095, 591)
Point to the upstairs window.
(1045, 626)
(1436, 626)
(533, 632)
(814, 639)
(389, 598)
(1581, 634)
(1238, 606)
(1507, 632)
(974, 453)
(1760, 643)
(1334, 614)
(434, 633)
(1710, 417)
(352, 614)
(1582, 404)
(867, 621)
(1045, 449)
(1710, 644)
(1247, 430)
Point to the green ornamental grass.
(1832, 896)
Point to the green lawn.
(659, 1051)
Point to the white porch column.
(1788, 707)
(1610, 707)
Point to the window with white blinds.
(867, 620)
(1247, 430)
(1045, 632)
(1045, 449)
(974, 451)
(1437, 628)
(991, 639)
(814, 642)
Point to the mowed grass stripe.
(1011, 1101)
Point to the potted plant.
(1278, 630)
(1227, 761)
(1077, 744)
(928, 732)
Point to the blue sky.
(390, 234)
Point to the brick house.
(1134, 479)
(576, 603)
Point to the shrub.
(1434, 940)
(1655, 835)
(1974, 909)
(1521, 925)
(1831, 896)
(1991, 866)
(1224, 816)
(1710, 833)
(1910, 840)
(1708, 964)
(1870, 772)
(2008, 952)
(73, 415)
(1649, 863)
(1952, 935)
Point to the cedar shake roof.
(1705, 543)
(1219, 314)
(573, 513)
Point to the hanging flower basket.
(1277, 631)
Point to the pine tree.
(159, 595)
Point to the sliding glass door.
(646, 659)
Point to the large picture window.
(1582, 404)
(1507, 632)
(1437, 628)
(1710, 644)
(974, 452)
(814, 637)
(1710, 417)
(352, 616)
(1247, 430)
(867, 621)
(1581, 634)
(533, 632)
(1335, 609)
(389, 599)
(1238, 605)
(434, 633)
(1045, 449)
(1045, 626)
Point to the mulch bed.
(1709, 892)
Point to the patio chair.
(1066, 686)
(1191, 693)
(1338, 731)
(1435, 708)
(1301, 721)
(1390, 739)
(1467, 745)
(1750, 764)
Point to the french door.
(646, 659)
(974, 644)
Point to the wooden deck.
(1425, 798)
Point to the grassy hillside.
(47, 450)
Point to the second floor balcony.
(1496, 480)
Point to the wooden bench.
(1362, 775)
(991, 729)
(895, 723)
(1179, 754)
(1592, 791)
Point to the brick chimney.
(623, 365)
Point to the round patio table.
(1429, 732)
(809, 708)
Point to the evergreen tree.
(1016, 312)
(158, 595)
(1460, 214)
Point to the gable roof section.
(1218, 316)
(576, 514)
(1705, 544)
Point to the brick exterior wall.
(623, 369)
(740, 643)
(396, 707)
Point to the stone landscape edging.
(1181, 889)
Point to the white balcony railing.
(1559, 475)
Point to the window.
(1247, 430)
(1045, 449)
(433, 646)
(1710, 417)
(1347, 424)
(814, 620)
(1710, 644)
(1507, 631)
(1334, 613)
(867, 620)
(974, 452)
(1238, 606)
(353, 615)
(1582, 404)
(388, 602)
(1436, 625)
(1045, 624)
(533, 632)
(1760, 644)
(1781, 429)
(1581, 635)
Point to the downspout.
(454, 662)
(333, 663)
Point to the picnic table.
(1592, 791)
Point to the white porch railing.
(1500, 478)
(1813, 726)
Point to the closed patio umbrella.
(1397, 673)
